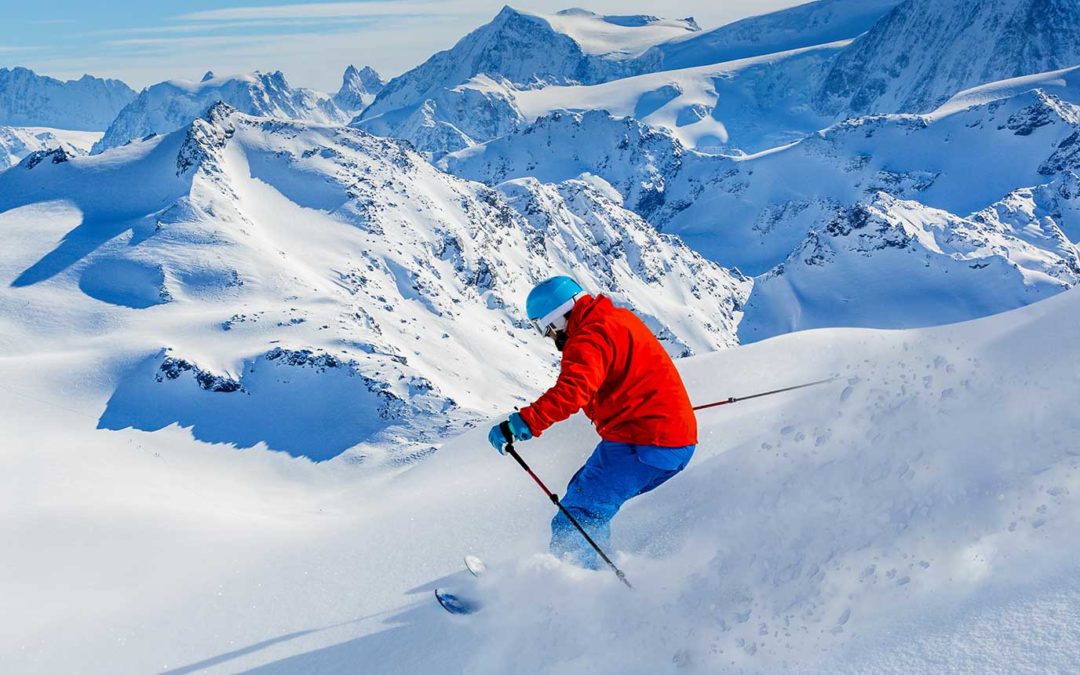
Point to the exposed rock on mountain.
(18, 142)
(358, 89)
(925, 51)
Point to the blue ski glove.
(519, 431)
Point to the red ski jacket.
(615, 369)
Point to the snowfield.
(252, 337)
(916, 515)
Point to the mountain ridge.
(87, 104)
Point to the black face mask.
(560, 339)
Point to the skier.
(617, 371)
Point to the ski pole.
(736, 399)
(555, 500)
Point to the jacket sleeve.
(585, 364)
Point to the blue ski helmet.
(550, 300)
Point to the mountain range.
(167, 106)
(87, 104)
(799, 196)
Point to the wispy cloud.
(181, 39)
(222, 26)
(328, 10)
(145, 60)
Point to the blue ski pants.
(614, 473)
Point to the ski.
(475, 565)
(456, 604)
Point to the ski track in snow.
(810, 526)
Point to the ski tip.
(475, 565)
(455, 604)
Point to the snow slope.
(617, 37)
(87, 104)
(918, 515)
(323, 278)
(18, 142)
(814, 23)
(925, 51)
(167, 106)
(741, 106)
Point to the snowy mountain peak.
(925, 51)
(170, 105)
(366, 77)
(208, 75)
(205, 138)
(524, 50)
(358, 89)
(87, 104)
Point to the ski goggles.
(547, 330)
(555, 320)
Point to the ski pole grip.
(504, 427)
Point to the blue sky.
(145, 42)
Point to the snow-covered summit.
(925, 51)
(530, 49)
(167, 106)
(87, 104)
(516, 50)
(358, 89)
(342, 263)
